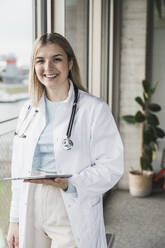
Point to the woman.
(62, 212)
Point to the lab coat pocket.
(74, 195)
(92, 215)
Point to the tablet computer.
(52, 176)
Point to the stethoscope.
(67, 142)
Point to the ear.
(70, 64)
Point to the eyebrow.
(54, 56)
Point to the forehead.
(50, 50)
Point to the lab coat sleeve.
(14, 208)
(15, 186)
(106, 153)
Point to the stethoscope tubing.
(68, 134)
(67, 140)
(69, 130)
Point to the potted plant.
(140, 181)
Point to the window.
(156, 53)
(15, 51)
(76, 31)
(110, 54)
(105, 45)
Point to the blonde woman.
(62, 130)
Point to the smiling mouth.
(51, 76)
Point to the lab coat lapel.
(40, 120)
(34, 131)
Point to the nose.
(49, 66)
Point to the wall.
(133, 48)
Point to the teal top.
(44, 157)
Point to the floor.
(135, 222)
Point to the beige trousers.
(51, 222)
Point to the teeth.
(51, 76)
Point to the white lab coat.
(95, 161)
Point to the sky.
(16, 29)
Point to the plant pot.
(140, 183)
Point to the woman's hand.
(57, 182)
(13, 235)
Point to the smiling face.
(52, 66)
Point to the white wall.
(133, 47)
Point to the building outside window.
(15, 50)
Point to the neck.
(58, 93)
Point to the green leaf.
(139, 100)
(152, 119)
(146, 86)
(159, 132)
(150, 147)
(139, 117)
(148, 136)
(129, 119)
(154, 107)
(147, 150)
(147, 153)
(145, 163)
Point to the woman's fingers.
(40, 181)
(61, 182)
(57, 182)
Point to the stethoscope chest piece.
(67, 144)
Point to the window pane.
(15, 50)
(158, 60)
(105, 43)
(76, 30)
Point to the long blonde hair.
(36, 89)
